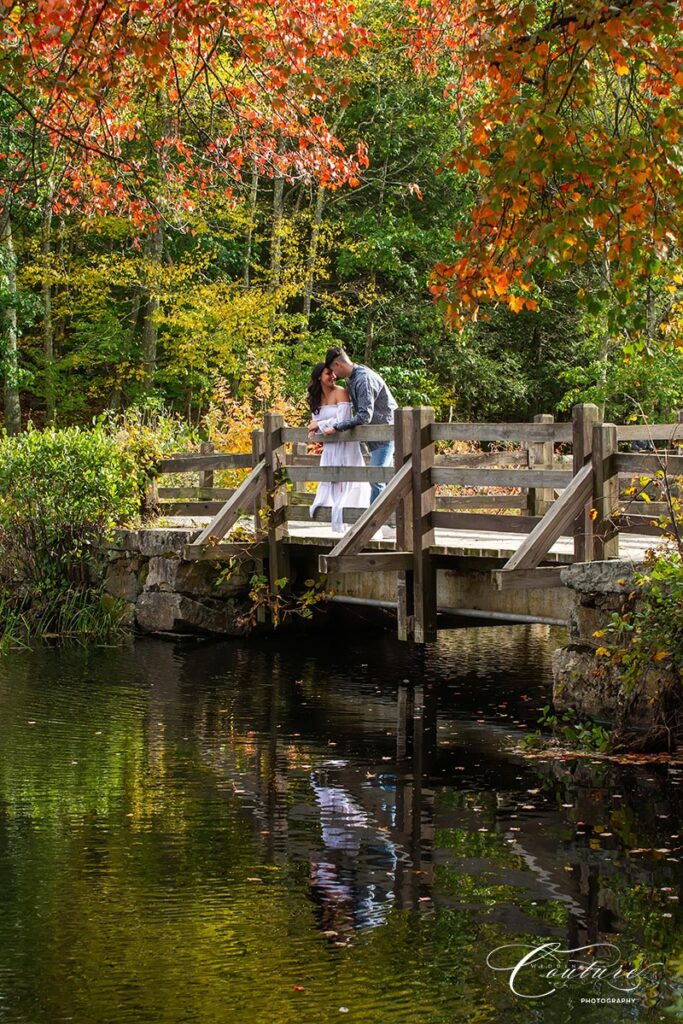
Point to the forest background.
(139, 271)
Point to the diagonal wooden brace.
(234, 506)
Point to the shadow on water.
(294, 829)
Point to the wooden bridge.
(576, 493)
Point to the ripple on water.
(296, 833)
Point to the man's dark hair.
(334, 353)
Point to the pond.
(322, 827)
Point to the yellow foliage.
(231, 419)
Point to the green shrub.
(651, 631)
(62, 492)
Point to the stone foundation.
(164, 593)
(588, 682)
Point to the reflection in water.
(288, 829)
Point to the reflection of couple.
(366, 399)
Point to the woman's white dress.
(346, 453)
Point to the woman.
(330, 404)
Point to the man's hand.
(329, 429)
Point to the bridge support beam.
(423, 492)
(403, 424)
(276, 498)
(584, 418)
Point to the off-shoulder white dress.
(346, 453)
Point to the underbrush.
(63, 492)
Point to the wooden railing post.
(403, 423)
(424, 571)
(206, 476)
(257, 453)
(584, 418)
(541, 457)
(300, 448)
(276, 498)
(605, 491)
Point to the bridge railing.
(552, 499)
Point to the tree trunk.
(252, 220)
(313, 252)
(48, 333)
(370, 325)
(150, 328)
(276, 237)
(8, 283)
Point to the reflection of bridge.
(494, 551)
(394, 829)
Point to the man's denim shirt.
(372, 400)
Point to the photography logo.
(596, 972)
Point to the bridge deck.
(458, 543)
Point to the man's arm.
(364, 402)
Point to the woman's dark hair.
(315, 388)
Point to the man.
(374, 403)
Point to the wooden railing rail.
(583, 502)
(558, 432)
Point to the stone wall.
(165, 593)
(588, 682)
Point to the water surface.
(314, 829)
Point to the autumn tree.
(140, 108)
(573, 116)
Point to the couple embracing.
(334, 409)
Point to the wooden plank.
(257, 453)
(649, 464)
(207, 448)
(375, 516)
(297, 459)
(474, 459)
(605, 491)
(405, 608)
(584, 417)
(483, 522)
(323, 514)
(650, 432)
(541, 455)
(276, 497)
(535, 547)
(502, 477)
(229, 514)
(423, 492)
(196, 493)
(190, 508)
(651, 509)
(345, 474)
(191, 463)
(371, 432)
(368, 561)
(502, 432)
(645, 526)
(528, 579)
(477, 501)
(224, 552)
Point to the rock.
(154, 542)
(584, 621)
(613, 577)
(595, 689)
(198, 579)
(122, 579)
(161, 612)
(162, 573)
(580, 683)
